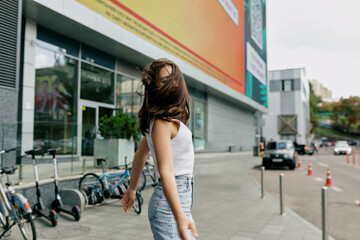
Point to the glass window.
(198, 119)
(281, 145)
(287, 85)
(55, 101)
(271, 146)
(93, 55)
(97, 84)
(57, 42)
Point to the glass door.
(89, 121)
(198, 118)
(88, 130)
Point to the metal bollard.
(84, 165)
(281, 195)
(21, 174)
(324, 200)
(262, 181)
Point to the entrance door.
(88, 130)
(90, 115)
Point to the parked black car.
(303, 149)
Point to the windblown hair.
(166, 98)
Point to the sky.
(321, 35)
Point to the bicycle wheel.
(4, 221)
(137, 203)
(88, 183)
(26, 226)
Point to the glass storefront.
(102, 91)
(55, 100)
(61, 71)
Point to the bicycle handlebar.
(52, 151)
(10, 149)
(7, 150)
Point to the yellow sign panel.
(200, 33)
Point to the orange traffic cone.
(309, 169)
(299, 163)
(347, 158)
(328, 178)
(353, 153)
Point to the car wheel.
(292, 165)
(266, 165)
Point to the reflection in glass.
(97, 84)
(88, 130)
(56, 42)
(198, 118)
(55, 101)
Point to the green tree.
(314, 109)
(346, 114)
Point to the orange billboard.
(208, 35)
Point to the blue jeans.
(162, 220)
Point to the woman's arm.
(162, 133)
(136, 169)
(139, 162)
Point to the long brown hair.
(166, 98)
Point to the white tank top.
(182, 151)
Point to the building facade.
(289, 111)
(320, 90)
(10, 45)
(80, 60)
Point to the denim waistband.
(182, 180)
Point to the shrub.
(119, 126)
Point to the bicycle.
(148, 171)
(14, 206)
(99, 188)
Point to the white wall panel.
(79, 13)
(229, 125)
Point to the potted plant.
(119, 133)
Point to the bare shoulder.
(161, 125)
(164, 127)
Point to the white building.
(289, 114)
(320, 90)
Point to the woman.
(162, 119)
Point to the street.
(302, 193)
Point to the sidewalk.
(227, 205)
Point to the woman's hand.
(183, 224)
(128, 199)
